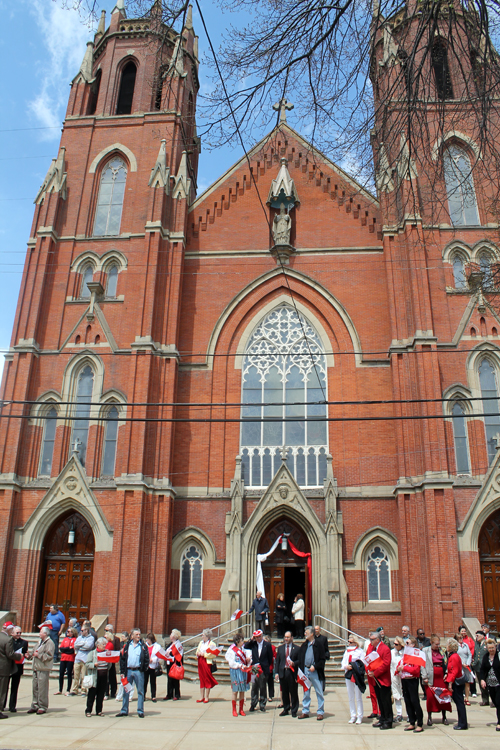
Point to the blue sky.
(41, 48)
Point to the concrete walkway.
(187, 725)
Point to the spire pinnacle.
(120, 8)
(101, 28)
(189, 18)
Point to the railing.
(233, 630)
(218, 628)
(341, 627)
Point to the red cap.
(8, 624)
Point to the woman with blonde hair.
(174, 650)
(396, 686)
(353, 653)
(466, 657)
(454, 673)
(205, 662)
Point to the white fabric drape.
(261, 559)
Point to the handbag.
(176, 671)
(463, 677)
(89, 681)
(213, 667)
(158, 670)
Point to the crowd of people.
(447, 674)
(116, 666)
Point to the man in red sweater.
(380, 671)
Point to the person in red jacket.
(410, 674)
(67, 662)
(381, 673)
(455, 671)
(371, 685)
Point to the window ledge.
(367, 608)
(194, 605)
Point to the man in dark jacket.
(7, 663)
(261, 609)
(311, 662)
(284, 670)
(134, 663)
(479, 652)
(324, 641)
(422, 640)
(262, 654)
(19, 645)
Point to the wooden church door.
(489, 556)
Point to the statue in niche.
(282, 227)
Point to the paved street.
(187, 725)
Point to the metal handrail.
(339, 637)
(218, 628)
(241, 627)
(339, 626)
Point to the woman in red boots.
(238, 659)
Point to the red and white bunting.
(236, 614)
(414, 656)
(110, 656)
(303, 680)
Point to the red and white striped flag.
(162, 654)
(236, 614)
(443, 695)
(372, 660)
(176, 653)
(110, 656)
(303, 680)
(414, 656)
(214, 651)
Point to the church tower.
(96, 328)
(436, 176)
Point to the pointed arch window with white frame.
(49, 436)
(108, 213)
(191, 573)
(488, 380)
(462, 201)
(81, 424)
(459, 271)
(284, 375)
(378, 570)
(460, 438)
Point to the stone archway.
(489, 558)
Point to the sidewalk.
(187, 725)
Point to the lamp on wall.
(71, 535)
(284, 542)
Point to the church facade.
(280, 362)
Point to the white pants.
(355, 699)
(399, 706)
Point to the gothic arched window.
(284, 375)
(49, 436)
(460, 187)
(191, 573)
(87, 275)
(439, 58)
(489, 392)
(378, 570)
(485, 266)
(108, 213)
(110, 441)
(459, 272)
(461, 441)
(112, 281)
(82, 412)
(127, 85)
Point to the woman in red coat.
(455, 671)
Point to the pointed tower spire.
(85, 72)
(101, 28)
(120, 8)
(189, 18)
(182, 181)
(176, 66)
(160, 174)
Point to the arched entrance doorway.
(489, 556)
(68, 566)
(285, 572)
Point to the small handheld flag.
(214, 651)
(110, 656)
(236, 614)
(443, 695)
(372, 660)
(413, 656)
(303, 680)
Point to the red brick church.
(187, 374)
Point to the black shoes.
(120, 714)
(284, 713)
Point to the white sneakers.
(352, 720)
(359, 721)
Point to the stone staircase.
(334, 675)
(333, 672)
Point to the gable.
(334, 211)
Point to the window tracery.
(460, 187)
(284, 375)
(110, 201)
(191, 573)
(379, 575)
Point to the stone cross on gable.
(76, 447)
(282, 106)
(496, 438)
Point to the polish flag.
(126, 685)
(372, 661)
(413, 656)
(110, 656)
(443, 695)
(162, 654)
(303, 680)
(236, 614)
(19, 656)
(214, 652)
(175, 653)
(46, 624)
